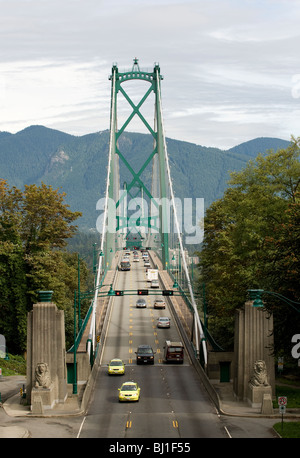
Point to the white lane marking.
(227, 432)
(80, 427)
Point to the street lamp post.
(79, 298)
(96, 254)
(75, 349)
(255, 295)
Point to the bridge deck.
(182, 310)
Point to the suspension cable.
(92, 331)
(197, 319)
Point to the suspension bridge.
(139, 213)
(141, 232)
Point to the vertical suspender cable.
(196, 315)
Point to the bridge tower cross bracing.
(157, 225)
(124, 223)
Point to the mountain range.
(78, 164)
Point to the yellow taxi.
(129, 391)
(116, 366)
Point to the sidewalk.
(10, 388)
(229, 406)
(11, 405)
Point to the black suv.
(145, 355)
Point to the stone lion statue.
(259, 377)
(42, 376)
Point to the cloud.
(47, 92)
(230, 68)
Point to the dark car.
(145, 355)
(125, 265)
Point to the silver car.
(141, 303)
(163, 322)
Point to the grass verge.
(290, 389)
(291, 392)
(13, 365)
(288, 429)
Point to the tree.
(282, 273)
(13, 303)
(34, 226)
(237, 251)
(46, 219)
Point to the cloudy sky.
(231, 68)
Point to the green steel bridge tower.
(147, 182)
(156, 223)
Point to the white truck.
(152, 274)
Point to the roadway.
(173, 402)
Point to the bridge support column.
(46, 354)
(253, 344)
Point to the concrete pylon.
(253, 342)
(46, 354)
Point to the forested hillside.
(78, 165)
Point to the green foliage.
(252, 241)
(13, 303)
(292, 394)
(46, 219)
(34, 226)
(13, 365)
(288, 429)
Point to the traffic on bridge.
(172, 401)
